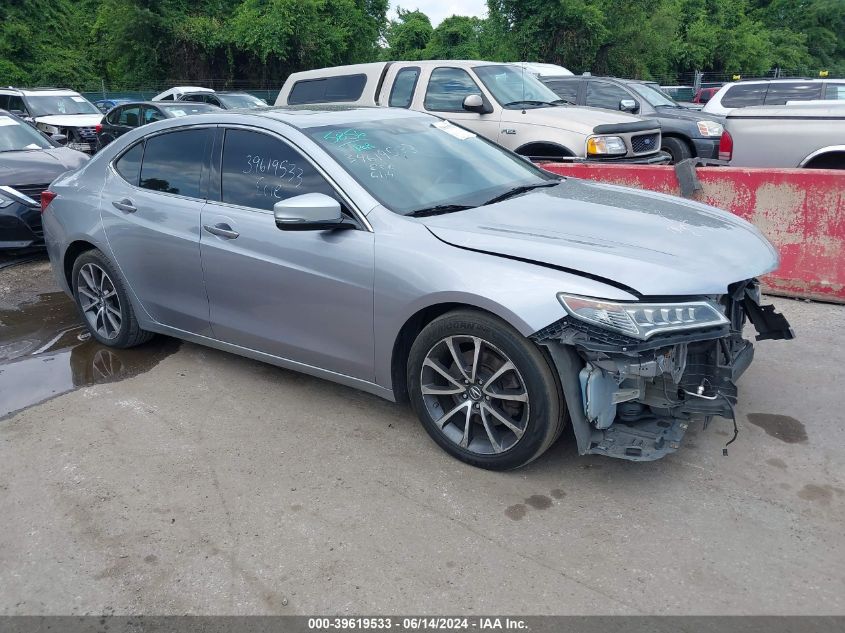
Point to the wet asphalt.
(175, 479)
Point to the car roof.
(50, 92)
(307, 117)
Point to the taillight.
(98, 128)
(726, 146)
(46, 198)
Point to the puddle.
(783, 427)
(45, 351)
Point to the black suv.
(686, 133)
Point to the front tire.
(483, 392)
(103, 303)
(678, 149)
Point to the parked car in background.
(397, 253)
(703, 95)
(501, 102)
(225, 100)
(173, 94)
(56, 111)
(104, 105)
(807, 134)
(754, 92)
(542, 70)
(29, 162)
(128, 116)
(685, 133)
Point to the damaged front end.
(635, 375)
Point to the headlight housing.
(606, 146)
(643, 320)
(50, 129)
(710, 128)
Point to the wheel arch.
(72, 252)
(544, 149)
(835, 153)
(415, 324)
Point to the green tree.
(456, 37)
(408, 35)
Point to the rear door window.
(447, 89)
(129, 116)
(259, 170)
(173, 162)
(129, 165)
(328, 89)
(743, 95)
(152, 114)
(601, 94)
(402, 92)
(566, 89)
(835, 91)
(780, 93)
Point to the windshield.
(16, 135)
(418, 163)
(654, 97)
(42, 105)
(241, 101)
(184, 108)
(512, 85)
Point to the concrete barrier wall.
(801, 211)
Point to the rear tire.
(483, 392)
(103, 302)
(678, 149)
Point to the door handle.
(221, 230)
(125, 205)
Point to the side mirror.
(474, 103)
(309, 212)
(629, 105)
(19, 113)
(61, 139)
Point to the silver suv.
(56, 112)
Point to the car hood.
(687, 115)
(568, 117)
(38, 166)
(655, 244)
(70, 120)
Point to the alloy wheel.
(474, 394)
(99, 301)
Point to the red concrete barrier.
(801, 211)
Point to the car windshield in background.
(655, 97)
(184, 108)
(43, 105)
(241, 101)
(16, 135)
(512, 87)
(419, 164)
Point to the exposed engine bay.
(635, 399)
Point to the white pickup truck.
(501, 102)
(807, 134)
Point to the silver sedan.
(400, 254)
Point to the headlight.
(710, 128)
(642, 320)
(50, 129)
(606, 145)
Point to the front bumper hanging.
(635, 399)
